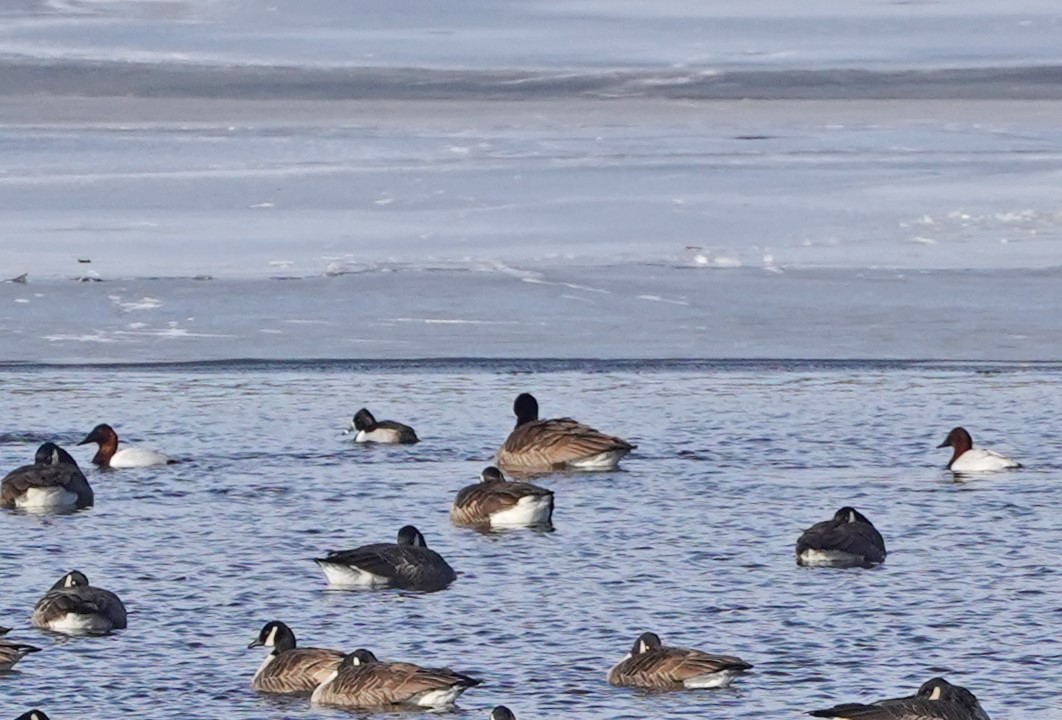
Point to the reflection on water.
(693, 539)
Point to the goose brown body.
(365, 682)
(291, 669)
(497, 501)
(653, 665)
(536, 446)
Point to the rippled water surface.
(693, 539)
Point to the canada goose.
(366, 429)
(501, 713)
(73, 606)
(937, 699)
(965, 458)
(53, 481)
(109, 455)
(847, 540)
(32, 715)
(407, 564)
(362, 681)
(288, 669)
(651, 665)
(497, 503)
(537, 446)
(11, 652)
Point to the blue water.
(693, 539)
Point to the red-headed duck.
(109, 455)
(965, 458)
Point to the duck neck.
(107, 450)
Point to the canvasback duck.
(367, 429)
(495, 502)
(407, 564)
(651, 665)
(74, 607)
(540, 446)
(937, 699)
(965, 458)
(109, 455)
(846, 540)
(290, 669)
(362, 681)
(12, 652)
(53, 481)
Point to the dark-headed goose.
(53, 481)
(290, 669)
(407, 564)
(846, 540)
(495, 502)
(650, 664)
(75, 607)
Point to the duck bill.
(944, 444)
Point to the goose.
(495, 502)
(32, 715)
(362, 681)
(847, 540)
(501, 713)
(288, 669)
(965, 458)
(53, 481)
(11, 652)
(407, 564)
(937, 699)
(651, 665)
(366, 429)
(539, 446)
(109, 455)
(73, 606)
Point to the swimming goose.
(847, 540)
(651, 665)
(32, 715)
(407, 564)
(501, 713)
(362, 681)
(498, 503)
(367, 430)
(965, 458)
(536, 446)
(53, 481)
(109, 455)
(288, 669)
(73, 606)
(937, 699)
(11, 652)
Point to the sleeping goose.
(494, 502)
(847, 540)
(937, 699)
(288, 669)
(53, 481)
(73, 606)
(539, 446)
(12, 652)
(362, 681)
(366, 429)
(965, 458)
(407, 564)
(108, 454)
(501, 713)
(32, 715)
(651, 665)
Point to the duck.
(110, 456)
(501, 713)
(936, 699)
(407, 564)
(11, 652)
(965, 458)
(650, 664)
(74, 607)
(288, 669)
(33, 715)
(542, 446)
(495, 502)
(53, 481)
(847, 540)
(362, 681)
(366, 429)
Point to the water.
(693, 539)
